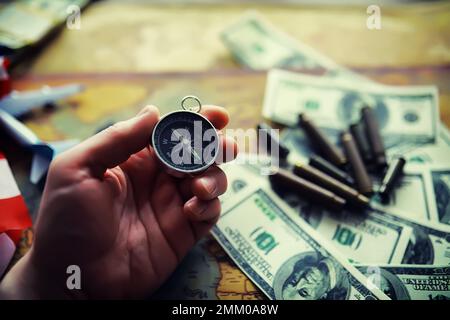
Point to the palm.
(130, 233)
(148, 234)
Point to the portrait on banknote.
(441, 185)
(311, 276)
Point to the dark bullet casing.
(373, 134)
(328, 168)
(358, 132)
(362, 178)
(321, 142)
(391, 178)
(352, 196)
(273, 141)
(310, 191)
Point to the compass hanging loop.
(197, 107)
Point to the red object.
(5, 80)
(14, 215)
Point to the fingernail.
(143, 111)
(209, 184)
(148, 109)
(196, 207)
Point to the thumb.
(116, 144)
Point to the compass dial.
(185, 141)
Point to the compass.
(185, 141)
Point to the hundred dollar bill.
(426, 176)
(437, 153)
(430, 185)
(410, 282)
(257, 44)
(445, 134)
(429, 242)
(361, 237)
(437, 190)
(405, 114)
(286, 259)
(417, 206)
(36, 19)
(242, 173)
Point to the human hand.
(110, 208)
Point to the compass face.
(185, 141)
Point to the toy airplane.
(43, 152)
(19, 103)
(15, 104)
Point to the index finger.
(116, 144)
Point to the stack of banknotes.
(292, 249)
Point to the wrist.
(25, 281)
(16, 283)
